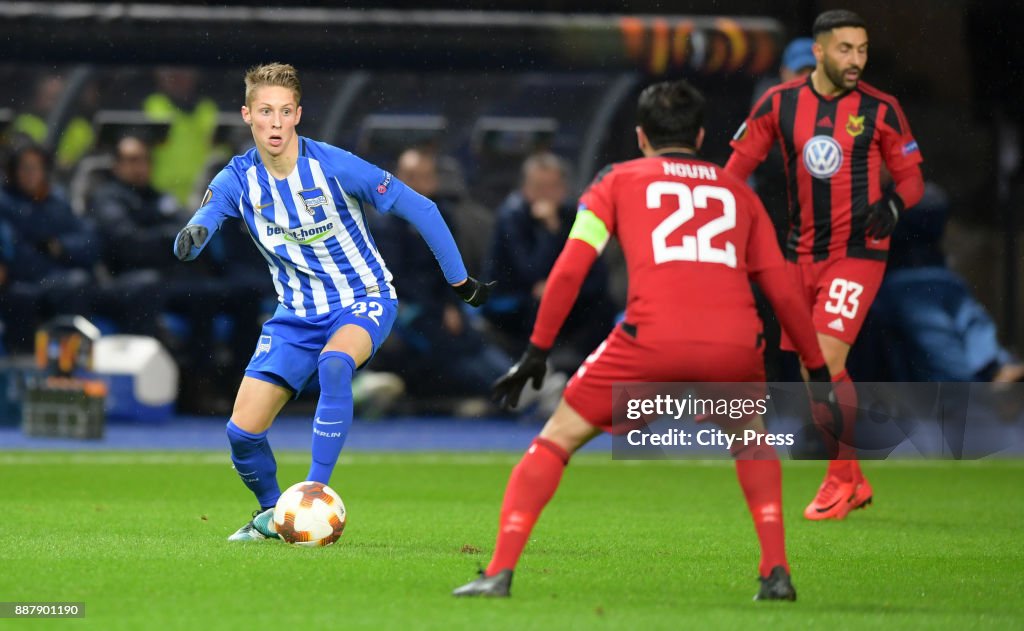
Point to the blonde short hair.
(272, 74)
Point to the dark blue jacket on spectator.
(523, 253)
(135, 224)
(38, 224)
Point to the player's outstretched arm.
(423, 213)
(221, 202)
(792, 311)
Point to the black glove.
(190, 235)
(473, 292)
(532, 365)
(883, 215)
(819, 382)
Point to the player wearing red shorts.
(835, 132)
(693, 237)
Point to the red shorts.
(622, 359)
(840, 292)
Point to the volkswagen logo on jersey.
(822, 157)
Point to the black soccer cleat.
(496, 586)
(777, 586)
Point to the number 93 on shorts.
(289, 345)
(840, 292)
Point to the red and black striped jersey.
(833, 149)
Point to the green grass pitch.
(140, 538)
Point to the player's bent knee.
(567, 429)
(253, 422)
(252, 418)
(335, 370)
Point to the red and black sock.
(760, 476)
(841, 449)
(530, 487)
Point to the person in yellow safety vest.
(179, 160)
(77, 137)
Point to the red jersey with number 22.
(691, 233)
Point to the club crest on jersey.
(313, 198)
(855, 125)
(823, 157)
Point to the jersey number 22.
(696, 248)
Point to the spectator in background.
(134, 222)
(925, 324)
(54, 251)
(180, 159)
(431, 322)
(532, 226)
(77, 136)
(6, 262)
(128, 209)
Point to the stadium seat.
(88, 174)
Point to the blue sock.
(255, 464)
(333, 413)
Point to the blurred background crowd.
(106, 158)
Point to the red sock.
(530, 488)
(760, 475)
(855, 471)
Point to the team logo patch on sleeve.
(910, 147)
(206, 197)
(313, 198)
(384, 184)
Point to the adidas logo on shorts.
(837, 325)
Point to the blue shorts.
(289, 346)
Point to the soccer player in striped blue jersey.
(304, 204)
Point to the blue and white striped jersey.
(311, 227)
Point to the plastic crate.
(57, 407)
